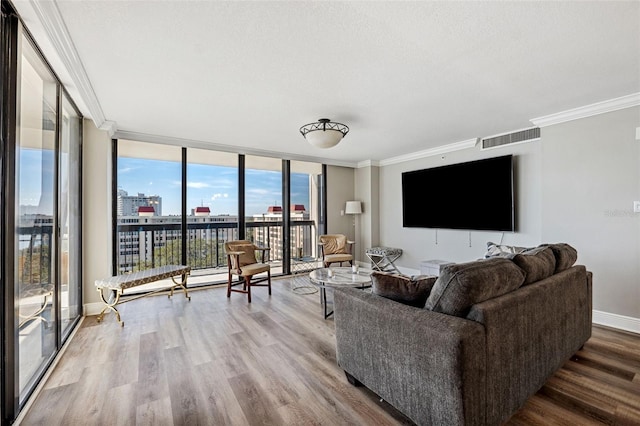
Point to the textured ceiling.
(404, 76)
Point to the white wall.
(367, 190)
(340, 189)
(96, 213)
(591, 176)
(576, 185)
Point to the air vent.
(527, 135)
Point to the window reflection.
(35, 235)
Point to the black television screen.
(476, 195)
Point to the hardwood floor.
(223, 361)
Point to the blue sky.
(208, 185)
(36, 179)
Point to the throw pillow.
(411, 291)
(462, 285)
(494, 250)
(565, 255)
(538, 263)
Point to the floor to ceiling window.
(306, 214)
(263, 206)
(149, 207)
(225, 196)
(41, 213)
(212, 210)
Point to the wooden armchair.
(241, 260)
(335, 248)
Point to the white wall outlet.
(636, 206)
(341, 212)
(638, 133)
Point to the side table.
(433, 267)
(382, 258)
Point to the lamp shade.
(324, 138)
(353, 207)
(324, 133)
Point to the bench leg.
(182, 285)
(110, 305)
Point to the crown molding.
(368, 163)
(110, 126)
(190, 143)
(622, 102)
(50, 18)
(457, 146)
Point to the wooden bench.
(116, 285)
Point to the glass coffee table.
(338, 277)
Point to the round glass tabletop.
(340, 277)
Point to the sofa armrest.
(530, 333)
(429, 365)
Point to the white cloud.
(216, 196)
(259, 191)
(198, 185)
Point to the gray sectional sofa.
(490, 334)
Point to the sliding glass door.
(41, 214)
(69, 190)
(35, 232)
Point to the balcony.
(148, 245)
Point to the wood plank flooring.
(219, 361)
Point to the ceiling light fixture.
(324, 133)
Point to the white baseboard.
(93, 308)
(616, 321)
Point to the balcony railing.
(143, 246)
(34, 259)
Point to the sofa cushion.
(565, 255)
(411, 291)
(501, 250)
(538, 263)
(462, 285)
(247, 256)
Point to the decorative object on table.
(242, 261)
(382, 258)
(335, 248)
(324, 133)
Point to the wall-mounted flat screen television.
(476, 195)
